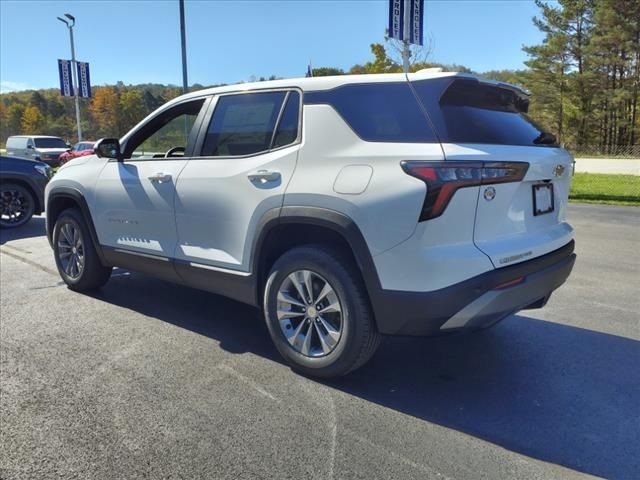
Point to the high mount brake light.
(443, 179)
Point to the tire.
(72, 241)
(17, 205)
(358, 337)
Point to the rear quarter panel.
(386, 206)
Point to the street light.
(70, 22)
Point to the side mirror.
(30, 147)
(108, 148)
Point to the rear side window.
(467, 111)
(243, 124)
(378, 112)
(287, 131)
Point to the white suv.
(346, 207)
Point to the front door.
(134, 204)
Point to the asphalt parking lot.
(150, 380)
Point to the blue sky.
(229, 41)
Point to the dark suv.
(22, 185)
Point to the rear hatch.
(521, 215)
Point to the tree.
(104, 110)
(150, 101)
(327, 71)
(39, 101)
(14, 118)
(32, 121)
(132, 109)
(615, 53)
(550, 64)
(381, 62)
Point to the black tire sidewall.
(31, 199)
(344, 356)
(93, 274)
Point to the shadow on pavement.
(557, 393)
(33, 228)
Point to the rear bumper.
(475, 303)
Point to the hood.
(74, 162)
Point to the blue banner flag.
(84, 81)
(396, 19)
(66, 84)
(416, 23)
(406, 20)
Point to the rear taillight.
(444, 178)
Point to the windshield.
(50, 143)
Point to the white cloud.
(7, 86)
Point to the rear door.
(487, 122)
(246, 156)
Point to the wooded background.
(584, 79)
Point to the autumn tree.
(132, 109)
(32, 121)
(104, 110)
(14, 118)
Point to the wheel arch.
(297, 226)
(61, 198)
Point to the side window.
(167, 134)
(29, 143)
(378, 112)
(243, 124)
(287, 130)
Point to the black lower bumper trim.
(424, 313)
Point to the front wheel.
(75, 254)
(318, 313)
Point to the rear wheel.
(75, 254)
(318, 314)
(16, 205)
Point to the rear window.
(50, 143)
(378, 112)
(471, 112)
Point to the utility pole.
(185, 83)
(74, 68)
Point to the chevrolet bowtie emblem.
(559, 170)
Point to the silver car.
(37, 147)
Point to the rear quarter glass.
(378, 112)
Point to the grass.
(605, 189)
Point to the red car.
(80, 149)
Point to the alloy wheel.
(71, 250)
(15, 207)
(310, 313)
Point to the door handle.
(160, 177)
(264, 176)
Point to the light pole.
(70, 22)
(183, 42)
